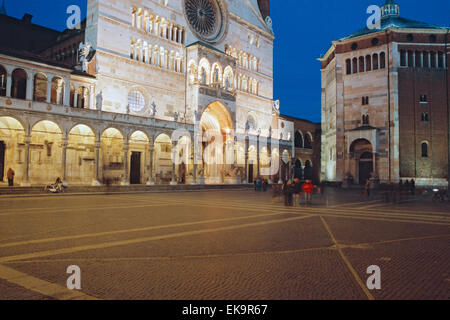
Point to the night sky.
(304, 30)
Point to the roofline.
(444, 30)
(301, 119)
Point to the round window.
(206, 18)
(136, 101)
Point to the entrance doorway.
(365, 167)
(250, 173)
(135, 170)
(2, 160)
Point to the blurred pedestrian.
(412, 185)
(308, 189)
(367, 188)
(10, 175)
(297, 191)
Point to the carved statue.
(83, 51)
(153, 110)
(99, 99)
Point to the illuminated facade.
(385, 103)
(145, 69)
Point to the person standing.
(308, 189)
(10, 174)
(297, 191)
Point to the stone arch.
(80, 157)
(308, 142)
(299, 139)
(362, 160)
(19, 79)
(40, 87)
(228, 78)
(204, 74)
(12, 149)
(46, 152)
(216, 73)
(163, 158)
(112, 155)
(57, 90)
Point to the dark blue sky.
(304, 30)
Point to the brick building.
(385, 103)
(305, 160)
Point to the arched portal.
(139, 158)
(45, 153)
(112, 156)
(12, 149)
(81, 155)
(217, 126)
(362, 160)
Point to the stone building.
(157, 85)
(385, 103)
(305, 162)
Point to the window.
(402, 58)
(365, 101)
(424, 150)
(423, 98)
(365, 119)
(308, 141)
(298, 140)
(136, 101)
(355, 65)
(425, 117)
(382, 60)
(375, 61)
(348, 66)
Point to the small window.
(348, 64)
(365, 119)
(425, 117)
(432, 38)
(354, 46)
(423, 98)
(424, 150)
(375, 41)
(410, 37)
(365, 101)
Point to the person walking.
(412, 185)
(367, 187)
(10, 175)
(308, 189)
(297, 191)
(285, 190)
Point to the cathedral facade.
(166, 91)
(385, 103)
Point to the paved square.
(223, 245)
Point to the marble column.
(97, 163)
(26, 182)
(9, 85)
(49, 89)
(150, 178)
(64, 158)
(125, 181)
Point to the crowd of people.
(295, 193)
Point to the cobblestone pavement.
(223, 245)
